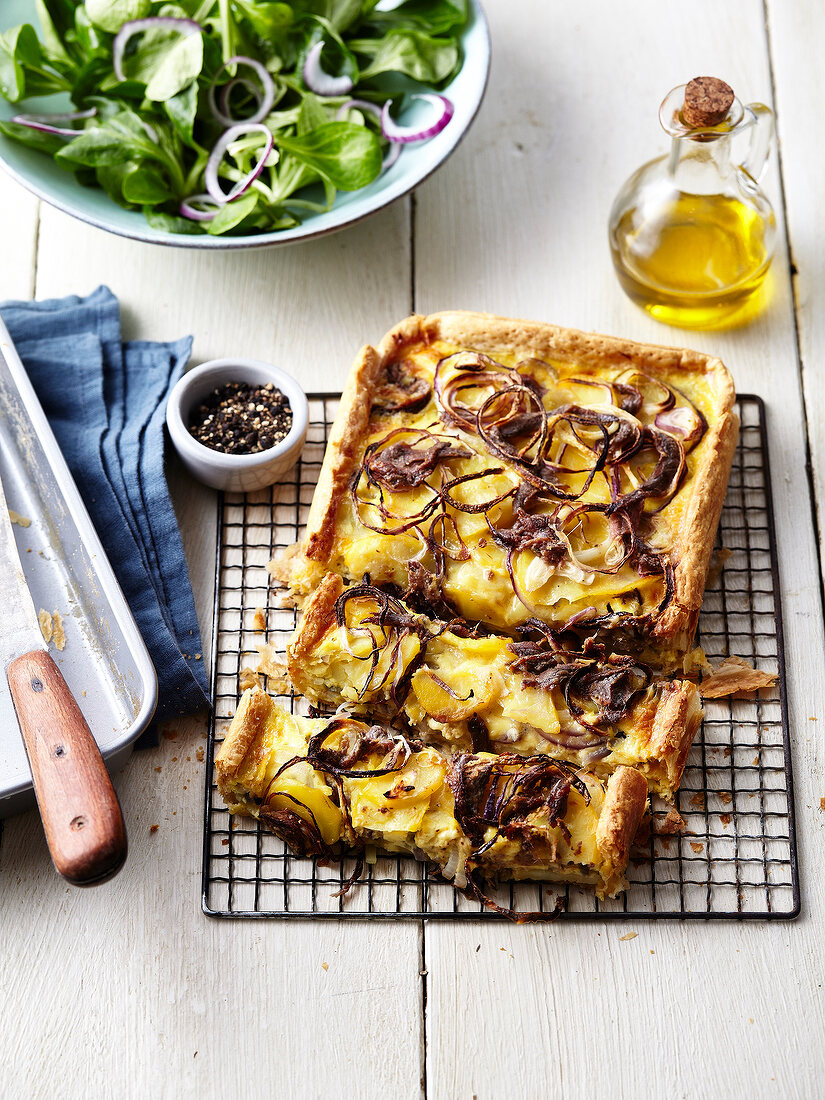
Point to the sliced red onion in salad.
(137, 26)
(46, 123)
(320, 82)
(403, 135)
(213, 185)
(265, 94)
(192, 208)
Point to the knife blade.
(78, 805)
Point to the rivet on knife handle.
(80, 810)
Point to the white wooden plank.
(800, 85)
(516, 224)
(19, 213)
(137, 990)
(307, 307)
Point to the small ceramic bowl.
(235, 473)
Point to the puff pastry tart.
(331, 785)
(460, 691)
(503, 471)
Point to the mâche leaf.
(348, 156)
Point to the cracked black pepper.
(242, 419)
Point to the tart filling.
(326, 786)
(462, 691)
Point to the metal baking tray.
(105, 661)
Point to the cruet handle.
(761, 137)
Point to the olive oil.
(696, 261)
(691, 233)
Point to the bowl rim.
(477, 30)
(232, 369)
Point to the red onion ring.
(137, 26)
(682, 421)
(44, 123)
(213, 186)
(320, 82)
(190, 211)
(405, 134)
(266, 96)
(394, 151)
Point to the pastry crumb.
(270, 666)
(225, 840)
(153, 828)
(822, 804)
(725, 819)
(698, 800)
(629, 936)
(259, 620)
(199, 755)
(59, 634)
(734, 676)
(159, 768)
(46, 625)
(248, 678)
(697, 846)
(673, 823)
(21, 521)
(726, 797)
(325, 966)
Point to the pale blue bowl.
(40, 175)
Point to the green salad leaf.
(156, 120)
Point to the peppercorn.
(242, 419)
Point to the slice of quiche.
(462, 691)
(502, 471)
(328, 786)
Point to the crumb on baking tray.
(21, 521)
(259, 619)
(629, 936)
(51, 627)
(153, 828)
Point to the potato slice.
(468, 694)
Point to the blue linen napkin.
(105, 401)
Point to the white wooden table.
(127, 989)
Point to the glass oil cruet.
(691, 233)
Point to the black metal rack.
(737, 859)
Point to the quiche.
(461, 690)
(507, 471)
(327, 786)
(502, 570)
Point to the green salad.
(230, 116)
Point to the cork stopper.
(707, 101)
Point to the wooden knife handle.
(80, 810)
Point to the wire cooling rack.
(737, 857)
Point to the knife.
(78, 804)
